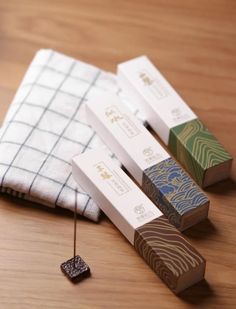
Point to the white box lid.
(115, 193)
(146, 86)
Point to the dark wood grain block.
(169, 254)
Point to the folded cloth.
(46, 126)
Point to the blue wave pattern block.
(172, 190)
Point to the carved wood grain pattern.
(196, 148)
(166, 251)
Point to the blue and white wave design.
(170, 187)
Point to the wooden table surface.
(194, 45)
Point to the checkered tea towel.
(46, 126)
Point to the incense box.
(159, 243)
(189, 140)
(160, 176)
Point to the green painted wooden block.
(200, 152)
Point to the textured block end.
(194, 216)
(75, 269)
(200, 152)
(217, 173)
(169, 254)
(175, 194)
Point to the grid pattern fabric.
(46, 126)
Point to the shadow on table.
(223, 187)
(15, 202)
(198, 294)
(202, 230)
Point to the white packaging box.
(162, 105)
(116, 194)
(161, 178)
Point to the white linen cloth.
(46, 126)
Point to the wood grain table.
(194, 45)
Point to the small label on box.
(123, 121)
(153, 84)
(111, 178)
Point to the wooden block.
(200, 152)
(176, 195)
(169, 254)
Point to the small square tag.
(75, 269)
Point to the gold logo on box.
(177, 115)
(150, 155)
(142, 213)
